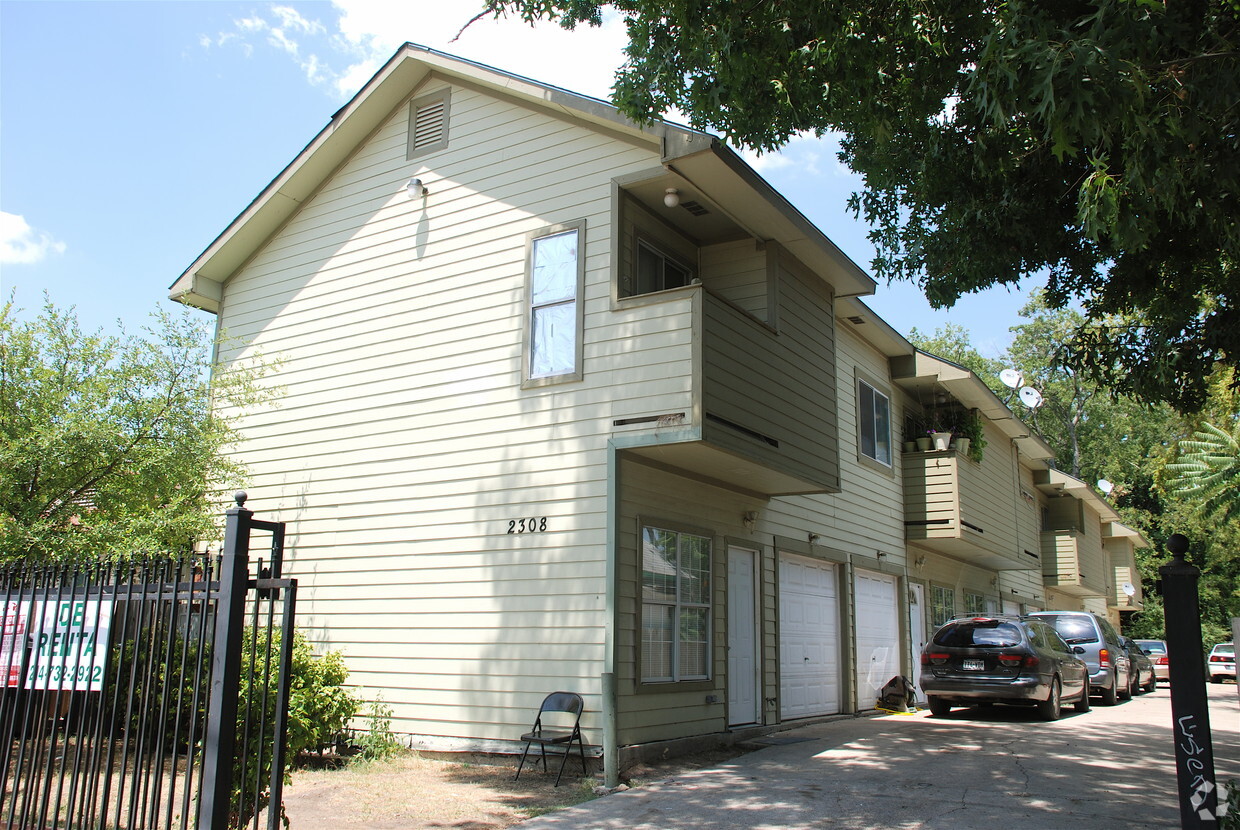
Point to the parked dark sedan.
(1140, 668)
(1002, 659)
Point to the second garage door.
(808, 638)
(878, 634)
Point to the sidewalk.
(976, 769)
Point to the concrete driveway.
(1112, 767)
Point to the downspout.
(611, 748)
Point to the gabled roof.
(688, 152)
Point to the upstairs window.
(554, 325)
(656, 271)
(428, 124)
(676, 583)
(874, 423)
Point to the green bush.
(377, 741)
(319, 708)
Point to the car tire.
(1049, 709)
(1124, 692)
(1152, 685)
(938, 706)
(1110, 696)
(1082, 704)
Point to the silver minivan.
(1104, 653)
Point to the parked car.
(1002, 659)
(1104, 653)
(1157, 651)
(1222, 662)
(1141, 668)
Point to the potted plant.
(939, 433)
(971, 435)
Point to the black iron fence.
(149, 694)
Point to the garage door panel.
(809, 638)
(877, 633)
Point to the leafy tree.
(1096, 433)
(111, 445)
(1096, 142)
(1208, 472)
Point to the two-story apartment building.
(568, 402)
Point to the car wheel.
(1110, 696)
(1152, 685)
(1049, 709)
(938, 706)
(1082, 704)
(1124, 692)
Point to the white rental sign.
(70, 645)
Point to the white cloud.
(584, 60)
(21, 244)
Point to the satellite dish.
(1030, 397)
(1010, 377)
(1105, 486)
(1129, 589)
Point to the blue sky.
(132, 133)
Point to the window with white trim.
(874, 423)
(676, 611)
(428, 124)
(942, 604)
(974, 604)
(556, 272)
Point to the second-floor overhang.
(926, 377)
(1057, 483)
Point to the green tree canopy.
(110, 445)
(1096, 142)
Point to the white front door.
(743, 697)
(809, 648)
(917, 630)
(877, 636)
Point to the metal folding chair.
(570, 704)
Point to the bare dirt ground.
(415, 793)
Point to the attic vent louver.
(856, 321)
(428, 125)
(694, 207)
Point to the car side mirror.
(1078, 649)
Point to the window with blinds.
(428, 124)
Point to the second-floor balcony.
(727, 397)
(964, 509)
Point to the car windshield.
(987, 633)
(1074, 629)
(1226, 651)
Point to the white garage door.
(878, 634)
(808, 638)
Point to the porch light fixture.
(919, 562)
(415, 188)
(813, 538)
(750, 519)
(671, 197)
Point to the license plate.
(972, 665)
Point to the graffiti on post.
(1196, 764)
